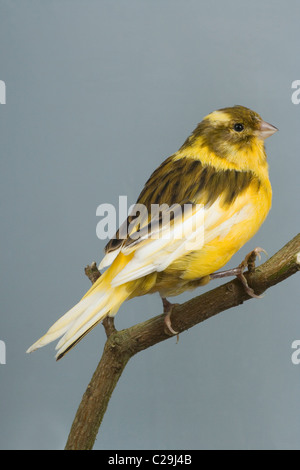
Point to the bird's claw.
(248, 262)
(168, 307)
(250, 258)
(247, 288)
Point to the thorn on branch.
(92, 272)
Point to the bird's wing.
(198, 203)
(197, 228)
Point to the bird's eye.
(238, 127)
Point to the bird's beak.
(266, 130)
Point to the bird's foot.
(168, 307)
(249, 262)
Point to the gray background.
(98, 94)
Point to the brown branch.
(122, 345)
(92, 272)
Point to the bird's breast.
(227, 227)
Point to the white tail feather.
(99, 303)
(77, 319)
(65, 343)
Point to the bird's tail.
(99, 302)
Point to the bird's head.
(237, 125)
(236, 134)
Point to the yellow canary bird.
(212, 196)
